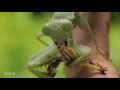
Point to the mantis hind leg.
(38, 36)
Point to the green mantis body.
(59, 30)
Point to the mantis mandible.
(59, 30)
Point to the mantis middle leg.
(38, 36)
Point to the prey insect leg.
(88, 63)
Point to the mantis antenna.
(93, 37)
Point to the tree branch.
(100, 24)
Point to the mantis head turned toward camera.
(59, 29)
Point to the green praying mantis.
(59, 30)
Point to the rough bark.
(100, 24)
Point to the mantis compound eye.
(67, 27)
(46, 31)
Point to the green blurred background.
(18, 42)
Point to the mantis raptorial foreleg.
(43, 58)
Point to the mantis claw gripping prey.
(59, 30)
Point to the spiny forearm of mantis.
(82, 15)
